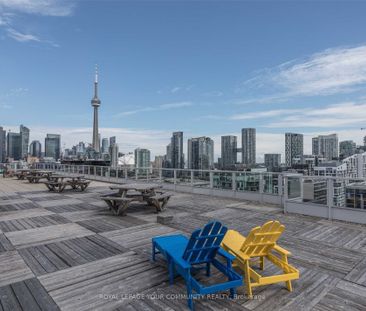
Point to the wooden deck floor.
(66, 251)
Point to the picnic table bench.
(127, 193)
(58, 183)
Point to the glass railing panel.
(142, 173)
(105, 171)
(113, 172)
(201, 179)
(155, 175)
(247, 181)
(183, 177)
(314, 190)
(354, 194)
(223, 180)
(121, 173)
(167, 175)
(270, 183)
(131, 174)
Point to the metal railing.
(309, 195)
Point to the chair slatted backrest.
(204, 243)
(262, 239)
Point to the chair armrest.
(281, 250)
(225, 254)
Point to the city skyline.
(268, 82)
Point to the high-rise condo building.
(200, 153)
(14, 146)
(229, 148)
(114, 154)
(96, 103)
(176, 150)
(2, 145)
(35, 149)
(272, 160)
(325, 146)
(142, 158)
(294, 147)
(347, 148)
(24, 137)
(248, 146)
(112, 140)
(105, 145)
(52, 145)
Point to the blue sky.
(207, 68)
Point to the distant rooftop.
(66, 251)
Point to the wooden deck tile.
(344, 296)
(26, 295)
(110, 223)
(97, 280)
(61, 202)
(5, 244)
(33, 212)
(13, 268)
(139, 237)
(57, 256)
(26, 238)
(33, 222)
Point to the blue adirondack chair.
(184, 256)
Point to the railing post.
(329, 197)
(233, 181)
(136, 173)
(261, 183)
(175, 177)
(211, 180)
(192, 178)
(280, 187)
(302, 188)
(126, 172)
(285, 194)
(160, 175)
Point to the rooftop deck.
(66, 251)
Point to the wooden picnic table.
(143, 189)
(119, 201)
(58, 183)
(21, 174)
(36, 175)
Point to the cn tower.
(96, 103)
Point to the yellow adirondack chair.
(260, 243)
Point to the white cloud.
(9, 9)
(5, 106)
(41, 7)
(213, 94)
(175, 89)
(265, 114)
(348, 114)
(157, 108)
(175, 105)
(185, 88)
(332, 71)
(22, 37)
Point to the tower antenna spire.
(96, 73)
